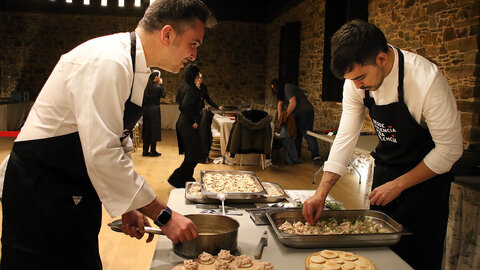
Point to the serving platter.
(230, 183)
(292, 215)
(198, 197)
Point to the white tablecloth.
(282, 257)
(170, 113)
(224, 125)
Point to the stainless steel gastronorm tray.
(262, 199)
(395, 230)
(234, 195)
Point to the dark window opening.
(289, 52)
(337, 13)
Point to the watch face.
(164, 217)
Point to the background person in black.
(190, 99)
(152, 120)
(415, 116)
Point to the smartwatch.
(164, 217)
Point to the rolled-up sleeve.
(353, 116)
(98, 100)
(443, 121)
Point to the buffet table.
(282, 257)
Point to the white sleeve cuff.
(143, 197)
(338, 168)
(438, 164)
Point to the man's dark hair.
(155, 73)
(356, 42)
(177, 13)
(191, 72)
(278, 88)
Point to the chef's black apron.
(423, 208)
(51, 212)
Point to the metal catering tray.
(234, 195)
(395, 229)
(200, 198)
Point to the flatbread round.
(317, 259)
(337, 260)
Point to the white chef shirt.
(429, 100)
(86, 93)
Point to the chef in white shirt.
(73, 153)
(415, 116)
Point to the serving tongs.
(117, 227)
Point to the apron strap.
(400, 74)
(133, 49)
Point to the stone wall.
(232, 57)
(444, 31)
(239, 60)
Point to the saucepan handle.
(117, 227)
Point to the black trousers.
(190, 144)
(423, 209)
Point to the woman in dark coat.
(152, 121)
(190, 101)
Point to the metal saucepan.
(216, 232)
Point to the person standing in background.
(297, 104)
(190, 99)
(152, 119)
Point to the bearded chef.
(415, 116)
(73, 153)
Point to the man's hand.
(313, 208)
(385, 193)
(134, 225)
(180, 228)
(221, 107)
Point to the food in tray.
(230, 183)
(361, 225)
(272, 190)
(335, 259)
(223, 261)
(195, 190)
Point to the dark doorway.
(337, 13)
(289, 52)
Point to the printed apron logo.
(385, 133)
(77, 199)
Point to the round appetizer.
(337, 260)
(206, 258)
